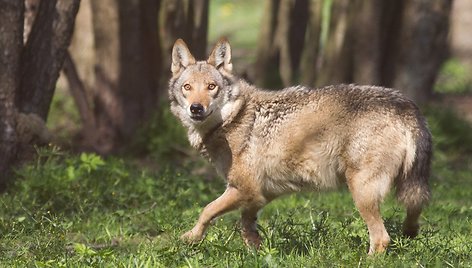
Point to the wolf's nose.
(196, 108)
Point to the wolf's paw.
(252, 239)
(411, 231)
(191, 237)
(379, 247)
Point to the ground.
(83, 210)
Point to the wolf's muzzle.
(197, 111)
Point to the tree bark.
(199, 26)
(281, 42)
(11, 42)
(309, 62)
(127, 69)
(299, 15)
(365, 31)
(106, 102)
(79, 93)
(139, 62)
(425, 28)
(290, 35)
(44, 53)
(265, 75)
(388, 43)
(334, 58)
(31, 10)
(391, 27)
(186, 19)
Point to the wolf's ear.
(220, 57)
(181, 56)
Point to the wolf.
(270, 143)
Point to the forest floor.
(85, 211)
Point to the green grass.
(63, 118)
(85, 211)
(454, 78)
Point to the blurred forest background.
(91, 75)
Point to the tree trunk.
(127, 69)
(199, 26)
(265, 75)
(31, 10)
(365, 31)
(391, 27)
(425, 28)
(11, 42)
(79, 94)
(106, 102)
(28, 73)
(139, 62)
(389, 43)
(290, 35)
(281, 43)
(335, 55)
(186, 19)
(309, 62)
(44, 53)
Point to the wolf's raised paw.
(191, 237)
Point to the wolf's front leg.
(229, 200)
(249, 227)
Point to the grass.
(454, 78)
(86, 211)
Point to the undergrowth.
(83, 210)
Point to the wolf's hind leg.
(229, 200)
(368, 193)
(414, 195)
(249, 226)
(411, 225)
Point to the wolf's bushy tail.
(412, 187)
(413, 184)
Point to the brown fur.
(269, 143)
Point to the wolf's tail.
(412, 187)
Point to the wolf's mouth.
(200, 117)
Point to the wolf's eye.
(211, 86)
(187, 87)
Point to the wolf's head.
(200, 90)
